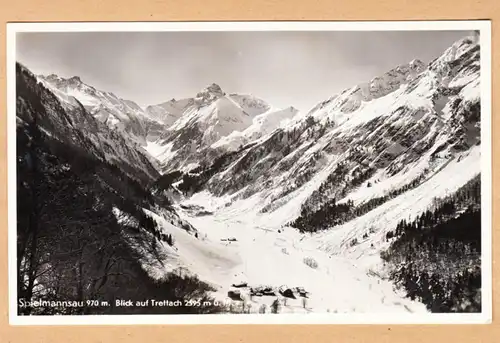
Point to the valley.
(266, 209)
(265, 252)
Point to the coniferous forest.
(436, 258)
(333, 213)
(70, 245)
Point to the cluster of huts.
(259, 291)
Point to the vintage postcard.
(249, 172)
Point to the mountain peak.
(350, 99)
(214, 88)
(389, 81)
(75, 79)
(56, 79)
(416, 63)
(460, 49)
(211, 91)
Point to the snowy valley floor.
(263, 256)
(345, 279)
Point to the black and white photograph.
(300, 172)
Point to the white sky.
(283, 68)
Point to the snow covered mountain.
(351, 99)
(210, 125)
(182, 133)
(168, 112)
(82, 195)
(64, 117)
(277, 197)
(430, 119)
(165, 129)
(250, 104)
(348, 172)
(262, 125)
(117, 113)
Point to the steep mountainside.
(380, 168)
(119, 114)
(85, 227)
(351, 99)
(210, 125)
(67, 120)
(180, 133)
(168, 112)
(250, 104)
(262, 125)
(388, 140)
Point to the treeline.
(436, 257)
(165, 181)
(335, 186)
(247, 168)
(376, 202)
(194, 180)
(150, 225)
(331, 213)
(70, 245)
